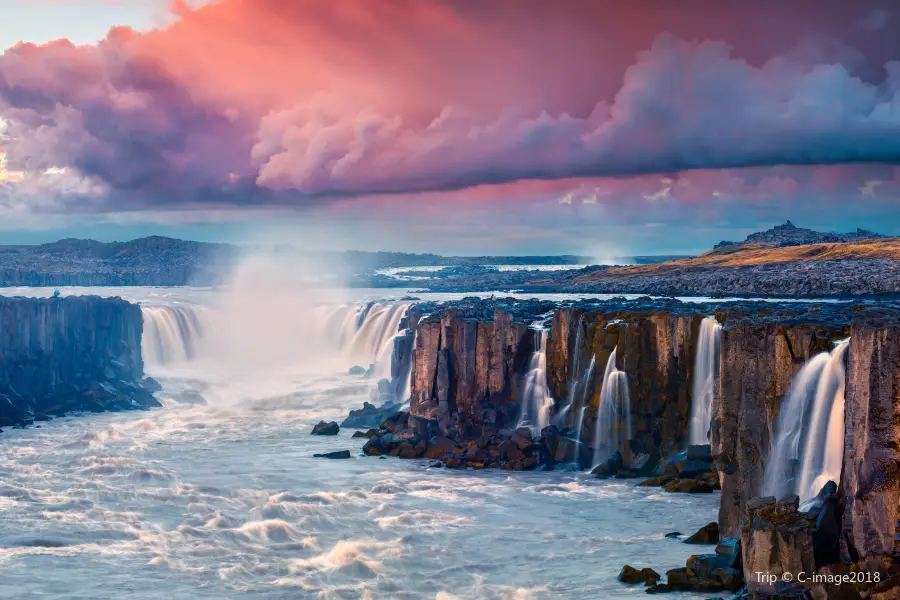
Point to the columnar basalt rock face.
(469, 371)
(66, 354)
(871, 474)
(655, 350)
(758, 361)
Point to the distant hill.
(791, 235)
(155, 260)
(164, 261)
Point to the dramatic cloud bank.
(281, 103)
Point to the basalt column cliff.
(70, 354)
(802, 423)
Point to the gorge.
(792, 394)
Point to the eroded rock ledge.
(470, 361)
(62, 355)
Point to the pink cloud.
(270, 101)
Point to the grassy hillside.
(746, 255)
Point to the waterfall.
(706, 369)
(536, 398)
(809, 433)
(573, 383)
(361, 334)
(406, 390)
(355, 334)
(613, 413)
(172, 334)
(580, 424)
(578, 385)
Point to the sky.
(451, 126)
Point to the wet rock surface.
(715, 572)
(338, 454)
(759, 359)
(708, 534)
(645, 576)
(871, 475)
(369, 416)
(61, 355)
(325, 428)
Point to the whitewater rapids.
(217, 495)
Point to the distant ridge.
(791, 235)
(164, 261)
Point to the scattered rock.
(699, 452)
(440, 447)
(369, 416)
(657, 481)
(708, 534)
(326, 428)
(336, 454)
(631, 575)
(673, 534)
(365, 434)
(689, 486)
(356, 370)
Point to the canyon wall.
(466, 373)
(68, 354)
(656, 351)
(871, 473)
(758, 360)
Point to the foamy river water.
(217, 495)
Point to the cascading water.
(173, 334)
(706, 368)
(579, 385)
(360, 334)
(363, 334)
(406, 391)
(808, 445)
(613, 413)
(576, 377)
(537, 398)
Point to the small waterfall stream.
(808, 446)
(613, 413)
(578, 392)
(173, 334)
(706, 368)
(537, 400)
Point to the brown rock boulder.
(708, 534)
(631, 575)
(776, 539)
(689, 486)
(325, 428)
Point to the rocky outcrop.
(789, 234)
(758, 360)
(60, 355)
(715, 572)
(776, 540)
(466, 374)
(369, 416)
(871, 474)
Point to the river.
(217, 495)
